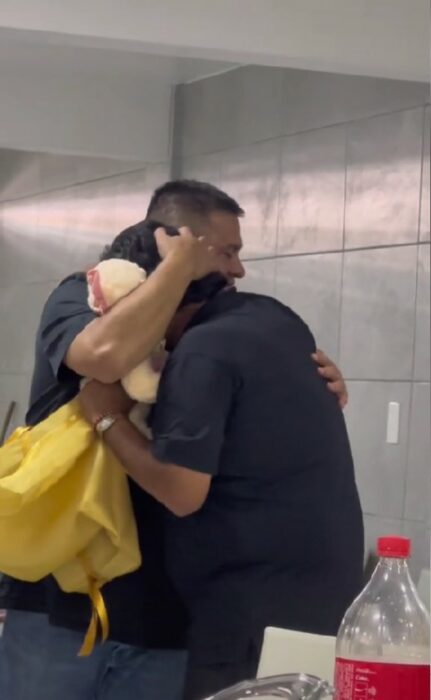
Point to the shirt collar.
(223, 301)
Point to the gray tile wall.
(333, 172)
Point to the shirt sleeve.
(65, 315)
(193, 407)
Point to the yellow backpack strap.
(99, 615)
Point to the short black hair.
(137, 243)
(198, 198)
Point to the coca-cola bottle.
(383, 646)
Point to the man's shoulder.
(71, 290)
(243, 310)
(273, 313)
(232, 326)
(264, 303)
(224, 324)
(74, 285)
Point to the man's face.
(223, 232)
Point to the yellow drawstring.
(99, 615)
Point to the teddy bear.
(108, 282)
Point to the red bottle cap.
(394, 547)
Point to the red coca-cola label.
(364, 680)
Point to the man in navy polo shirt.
(252, 462)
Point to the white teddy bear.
(108, 282)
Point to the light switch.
(393, 424)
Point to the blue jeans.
(40, 662)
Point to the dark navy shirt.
(143, 608)
(279, 540)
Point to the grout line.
(280, 153)
(421, 179)
(20, 283)
(382, 517)
(410, 402)
(171, 135)
(175, 166)
(382, 246)
(396, 517)
(41, 193)
(387, 381)
(343, 257)
(14, 374)
(418, 522)
(286, 135)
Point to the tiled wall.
(56, 215)
(333, 172)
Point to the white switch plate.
(393, 424)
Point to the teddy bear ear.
(96, 299)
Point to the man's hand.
(329, 371)
(97, 400)
(194, 253)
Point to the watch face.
(105, 423)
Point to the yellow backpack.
(65, 510)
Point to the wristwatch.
(104, 423)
